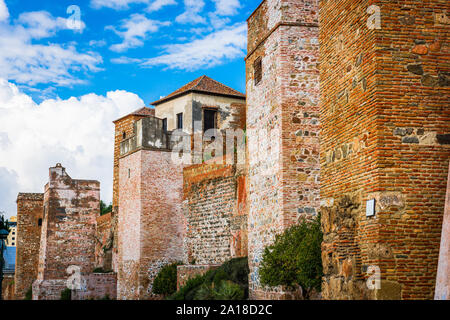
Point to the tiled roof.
(143, 112)
(203, 84)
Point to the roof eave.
(161, 101)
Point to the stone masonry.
(30, 210)
(282, 124)
(384, 68)
(151, 222)
(443, 274)
(215, 197)
(68, 232)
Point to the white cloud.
(4, 13)
(41, 24)
(192, 12)
(154, 5)
(159, 4)
(134, 31)
(212, 50)
(26, 62)
(77, 132)
(227, 7)
(125, 60)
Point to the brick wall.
(68, 232)
(184, 273)
(104, 235)
(282, 114)
(385, 117)
(216, 213)
(98, 286)
(443, 275)
(29, 211)
(151, 222)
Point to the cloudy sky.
(69, 68)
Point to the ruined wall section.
(30, 210)
(282, 125)
(104, 236)
(216, 213)
(385, 122)
(68, 234)
(151, 221)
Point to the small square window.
(257, 69)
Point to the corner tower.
(282, 125)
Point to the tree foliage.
(295, 258)
(104, 209)
(4, 223)
(165, 282)
(228, 282)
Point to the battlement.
(30, 197)
(148, 134)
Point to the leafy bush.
(29, 294)
(295, 258)
(66, 294)
(228, 290)
(166, 281)
(188, 291)
(218, 284)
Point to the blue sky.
(64, 80)
(120, 57)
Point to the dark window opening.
(124, 135)
(129, 173)
(164, 125)
(40, 222)
(180, 121)
(209, 119)
(257, 69)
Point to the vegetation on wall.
(228, 282)
(295, 258)
(165, 282)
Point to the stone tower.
(30, 209)
(282, 124)
(68, 232)
(385, 150)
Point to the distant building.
(11, 240)
(10, 259)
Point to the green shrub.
(188, 291)
(204, 292)
(29, 294)
(66, 294)
(166, 281)
(228, 290)
(209, 285)
(295, 258)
